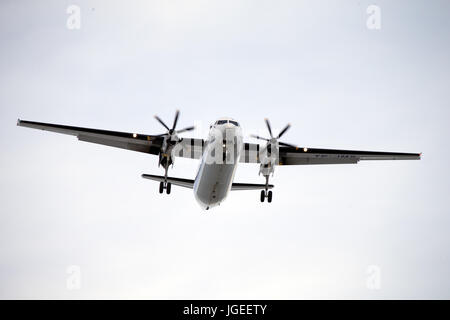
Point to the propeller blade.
(268, 127)
(284, 130)
(186, 129)
(162, 122)
(258, 137)
(286, 144)
(177, 114)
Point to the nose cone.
(226, 131)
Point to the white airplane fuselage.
(218, 164)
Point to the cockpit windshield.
(227, 121)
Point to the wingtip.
(18, 122)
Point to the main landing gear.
(266, 194)
(165, 185)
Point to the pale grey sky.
(312, 63)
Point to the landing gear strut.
(164, 184)
(266, 193)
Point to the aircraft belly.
(214, 183)
(214, 178)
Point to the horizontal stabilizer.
(188, 183)
(249, 186)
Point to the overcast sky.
(312, 63)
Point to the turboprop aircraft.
(219, 155)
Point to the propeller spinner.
(274, 140)
(171, 132)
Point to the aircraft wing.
(131, 141)
(305, 156)
(308, 156)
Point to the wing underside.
(306, 156)
(124, 140)
(309, 156)
(189, 147)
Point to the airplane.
(219, 155)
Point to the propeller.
(171, 132)
(274, 140)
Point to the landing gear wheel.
(269, 197)
(161, 187)
(168, 187)
(263, 195)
